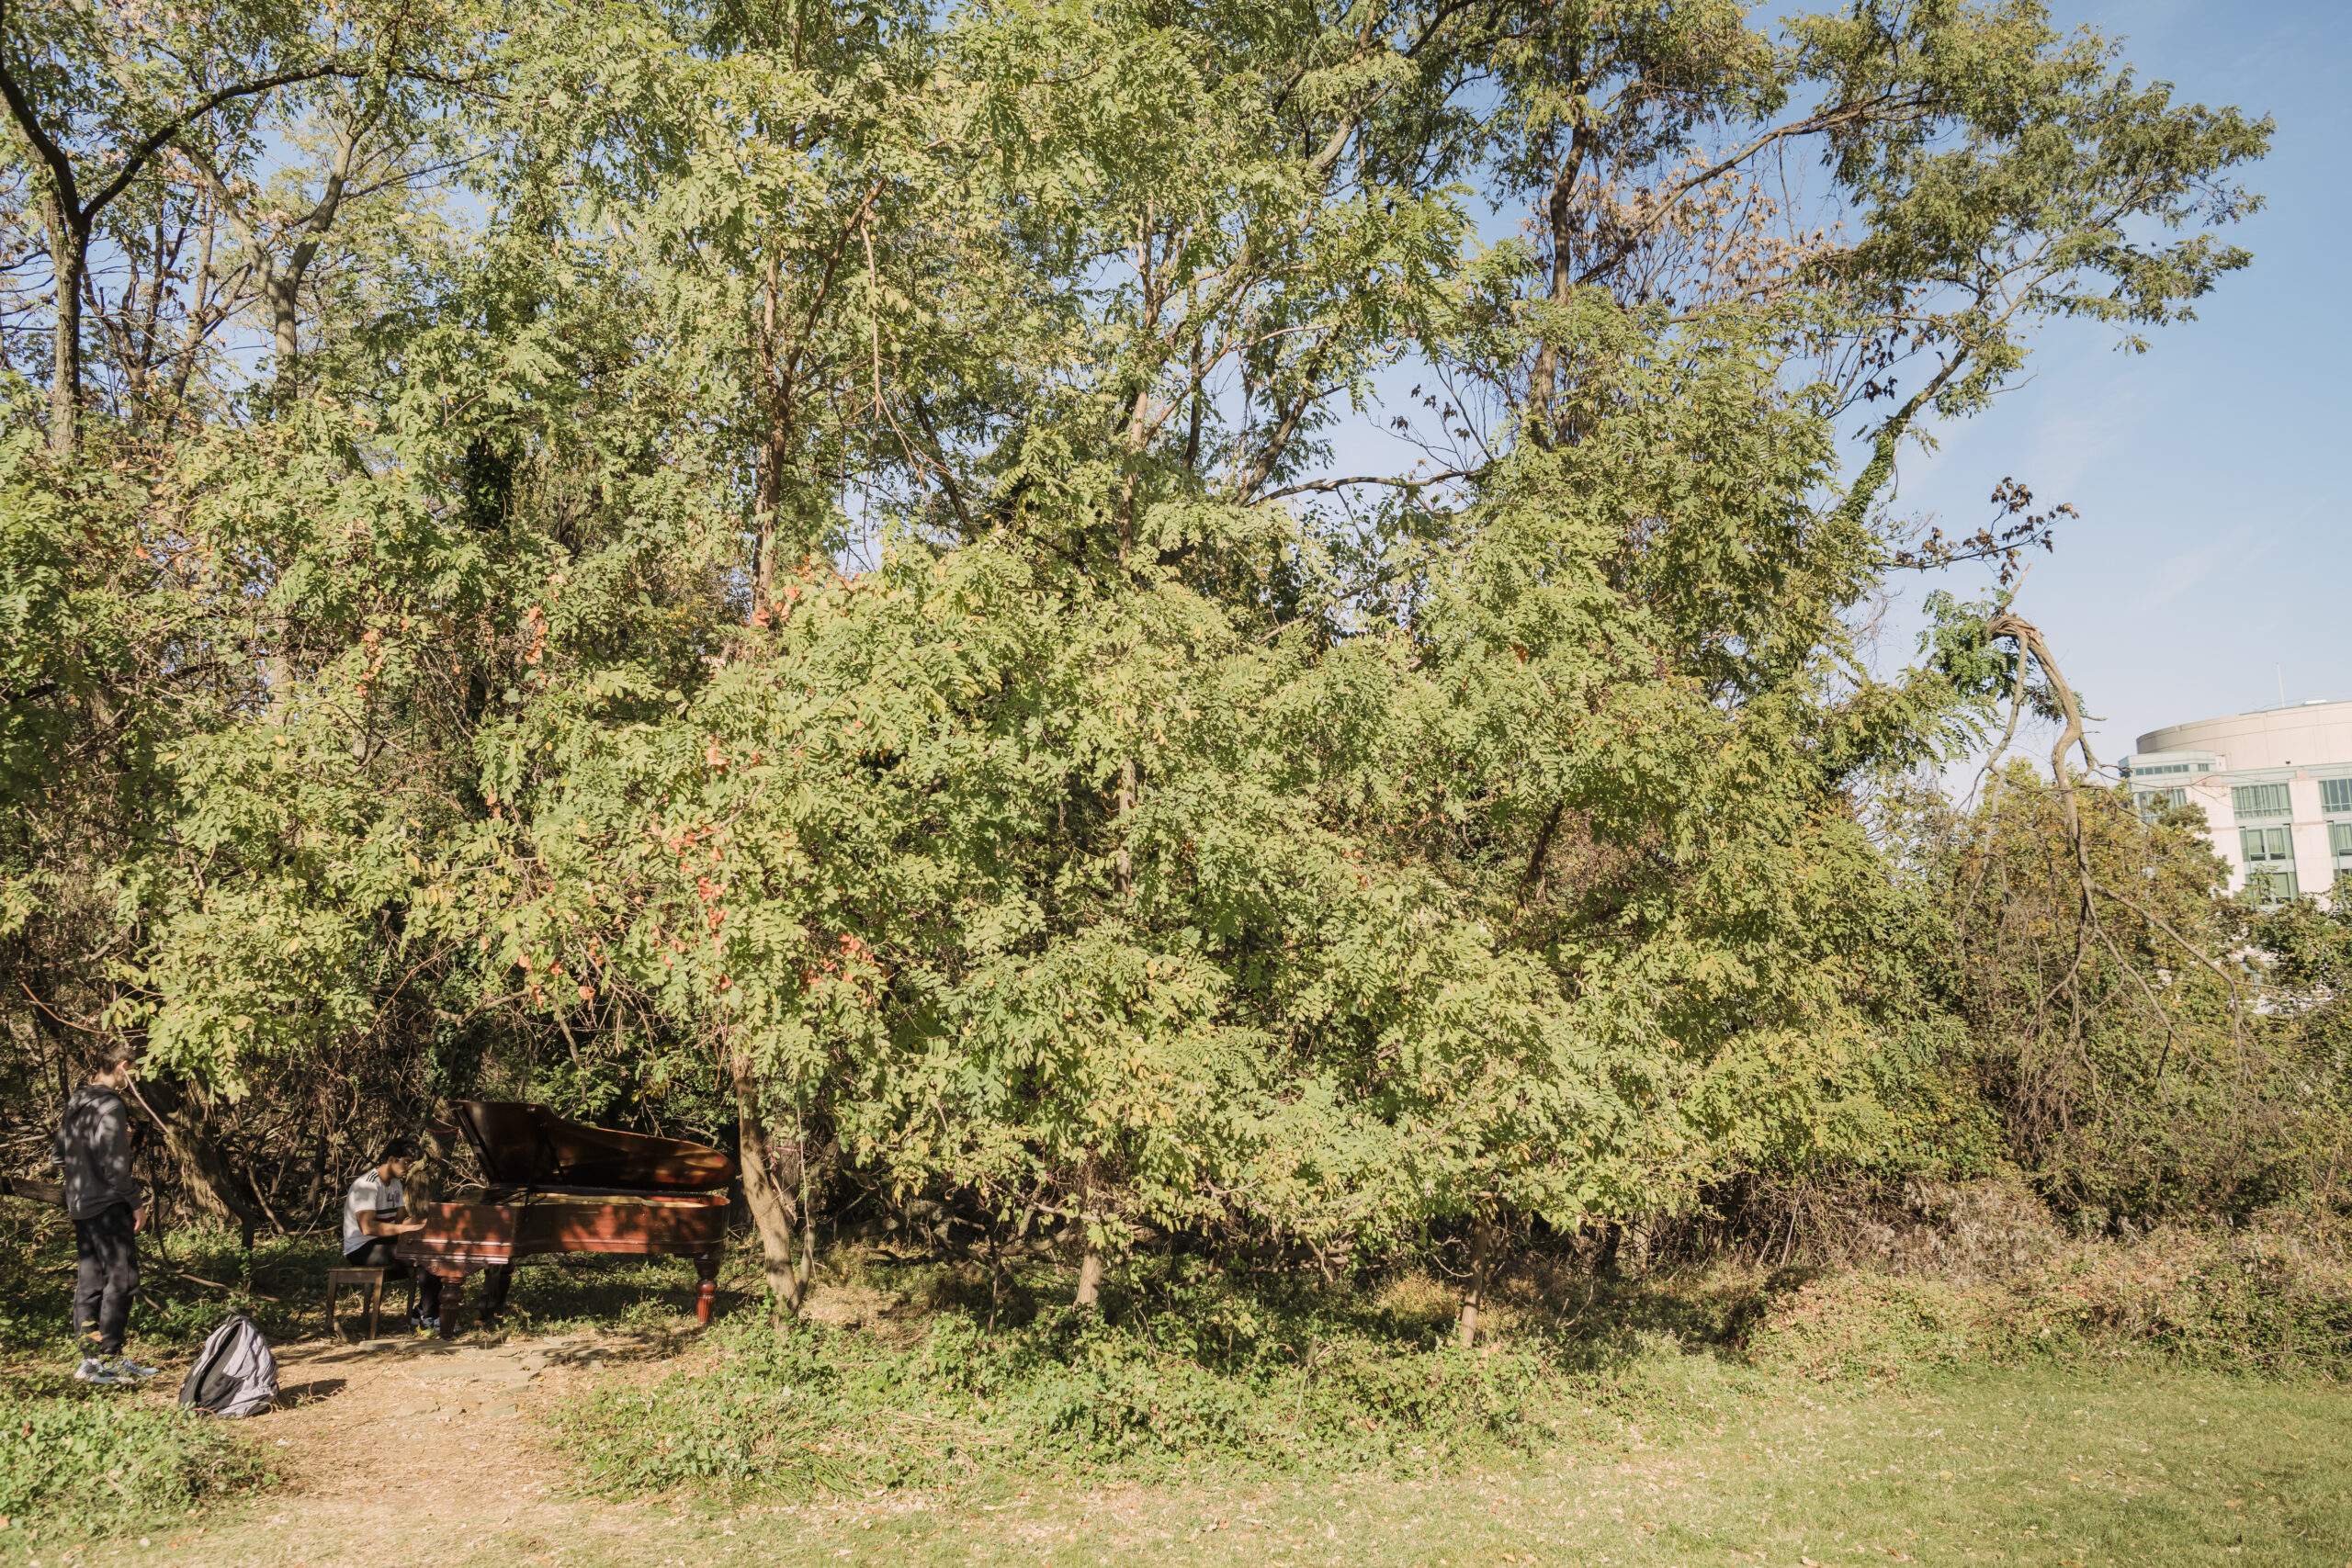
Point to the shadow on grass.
(190, 1279)
(1232, 1320)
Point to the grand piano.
(559, 1186)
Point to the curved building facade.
(2277, 789)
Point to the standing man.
(371, 1218)
(93, 1143)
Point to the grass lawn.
(2046, 1465)
(1672, 1446)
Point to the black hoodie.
(93, 1143)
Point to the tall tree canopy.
(786, 570)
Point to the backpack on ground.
(234, 1374)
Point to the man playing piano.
(372, 1213)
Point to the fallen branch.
(33, 1192)
(217, 1285)
(2032, 646)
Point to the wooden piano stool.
(371, 1282)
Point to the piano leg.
(453, 1298)
(495, 1281)
(706, 1292)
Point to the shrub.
(1211, 1382)
(2274, 1297)
(2256, 1300)
(1862, 1325)
(1193, 1371)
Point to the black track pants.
(377, 1254)
(106, 1276)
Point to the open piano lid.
(529, 1145)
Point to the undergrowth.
(89, 1462)
(1218, 1383)
(2269, 1299)
(963, 1376)
(1190, 1373)
(190, 1279)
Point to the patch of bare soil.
(392, 1449)
(855, 1307)
(396, 1449)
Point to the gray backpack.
(234, 1374)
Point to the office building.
(2277, 789)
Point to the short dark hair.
(114, 1052)
(399, 1148)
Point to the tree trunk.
(1604, 1256)
(318, 1178)
(772, 1210)
(204, 1172)
(69, 252)
(775, 446)
(1126, 806)
(1473, 1294)
(279, 668)
(1560, 212)
(1090, 1266)
(435, 1177)
(283, 292)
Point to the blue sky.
(2215, 550)
(2212, 560)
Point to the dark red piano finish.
(529, 1145)
(559, 1186)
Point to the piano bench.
(369, 1281)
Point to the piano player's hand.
(378, 1224)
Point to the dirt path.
(396, 1450)
(399, 1451)
(393, 1450)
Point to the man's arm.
(369, 1224)
(369, 1195)
(112, 1166)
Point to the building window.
(2269, 887)
(2335, 794)
(2339, 844)
(2263, 845)
(2151, 801)
(2269, 864)
(2259, 800)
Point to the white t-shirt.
(370, 1194)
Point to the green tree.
(804, 603)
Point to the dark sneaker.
(132, 1371)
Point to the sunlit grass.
(2044, 1465)
(1645, 1435)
